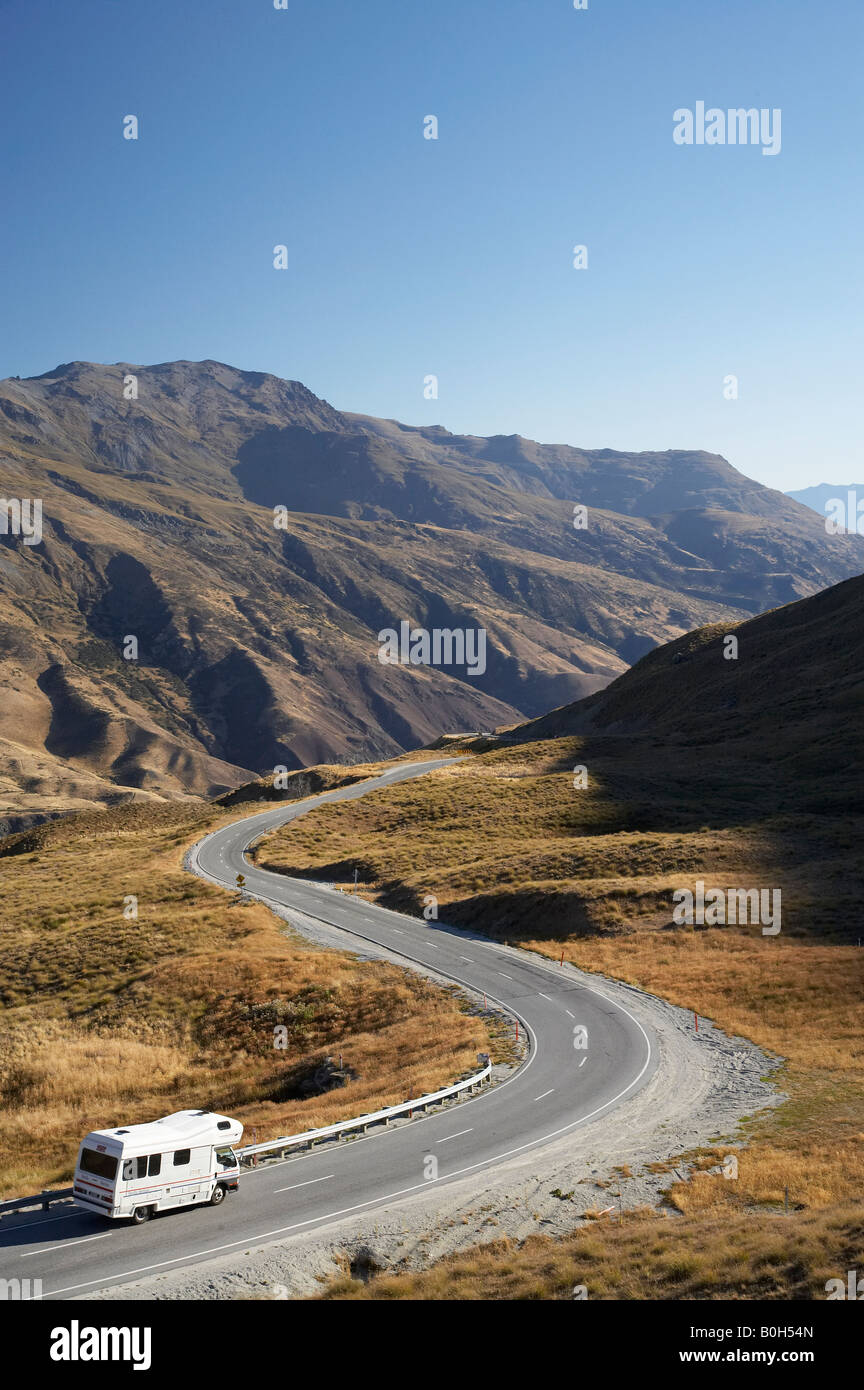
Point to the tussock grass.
(509, 846)
(800, 1000)
(648, 1256)
(108, 1019)
(502, 836)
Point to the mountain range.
(257, 643)
(821, 493)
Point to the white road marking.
(379, 1201)
(545, 1094)
(503, 976)
(568, 1013)
(416, 1187)
(308, 1183)
(65, 1246)
(545, 996)
(25, 1225)
(584, 1060)
(470, 959)
(448, 1137)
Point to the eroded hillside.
(257, 645)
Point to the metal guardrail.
(291, 1141)
(43, 1199)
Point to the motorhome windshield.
(100, 1165)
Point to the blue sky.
(454, 257)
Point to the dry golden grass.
(309, 781)
(509, 846)
(106, 1019)
(506, 838)
(648, 1256)
(797, 999)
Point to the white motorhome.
(180, 1161)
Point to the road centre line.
(307, 1183)
(458, 1135)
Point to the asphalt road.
(558, 1088)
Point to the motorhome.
(182, 1160)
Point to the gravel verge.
(706, 1083)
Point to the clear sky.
(408, 256)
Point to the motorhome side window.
(154, 1166)
(134, 1168)
(181, 1156)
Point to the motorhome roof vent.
(224, 1124)
(121, 1131)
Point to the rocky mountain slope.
(257, 644)
(792, 696)
(584, 823)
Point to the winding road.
(557, 1088)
